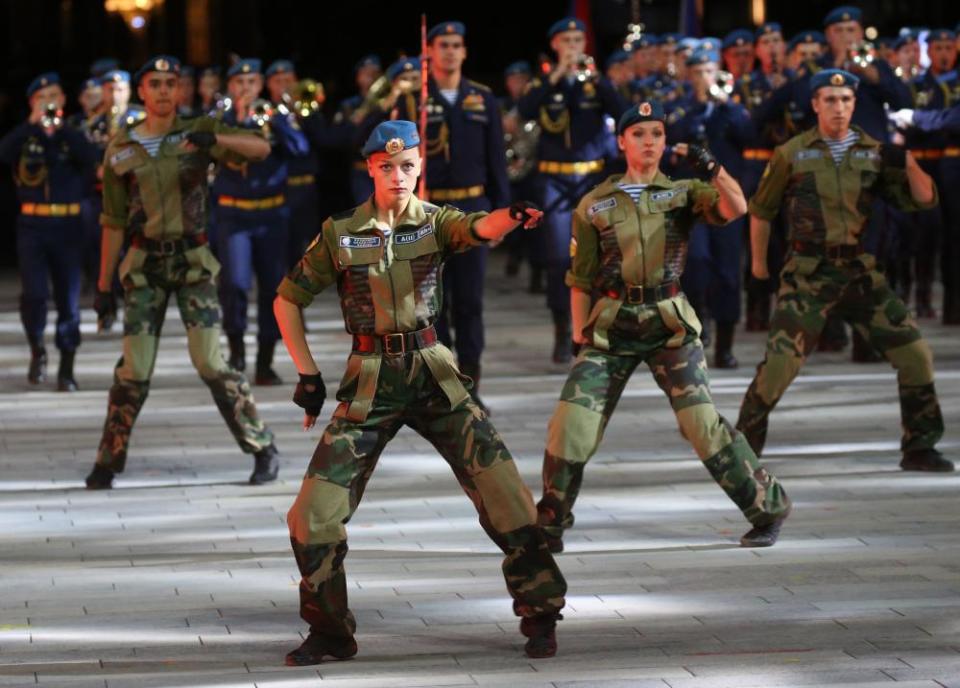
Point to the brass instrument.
(379, 90)
(52, 117)
(634, 33)
(308, 97)
(520, 139)
(862, 54)
(586, 68)
(907, 75)
(723, 88)
(261, 110)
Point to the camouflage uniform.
(618, 246)
(161, 204)
(392, 284)
(827, 271)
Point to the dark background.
(325, 38)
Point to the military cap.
(568, 24)
(645, 111)
(392, 137)
(404, 64)
(280, 67)
(450, 28)
(246, 65)
(212, 70)
(617, 57)
(115, 76)
(941, 35)
(833, 77)
(647, 40)
(518, 67)
(688, 43)
(367, 61)
(166, 64)
(102, 65)
(92, 82)
(671, 38)
(885, 42)
(42, 81)
(711, 43)
(766, 29)
(843, 13)
(905, 36)
(806, 37)
(700, 56)
(737, 38)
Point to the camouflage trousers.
(146, 295)
(811, 290)
(407, 393)
(591, 393)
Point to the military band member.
(737, 52)
(155, 194)
(187, 99)
(644, 54)
(805, 47)
(630, 241)
(366, 72)
(118, 112)
(827, 178)
(52, 165)
(385, 258)
(619, 71)
(208, 89)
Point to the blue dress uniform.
(52, 175)
(252, 220)
(361, 186)
(712, 279)
(466, 168)
(574, 140)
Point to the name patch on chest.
(599, 206)
(360, 242)
(809, 154)
(865, 154)
(411, 237)
(174, 139)
(121, 155)
(663, 195)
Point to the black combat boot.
(723, 350)
(562, 338)
(265, 374)
(317, 646)
(765, 535)
(100, 478)
(65, 379)
(37, 372)
(238, 352)
(926, 460)
(472, 370)
(266, 465)
(541, 633)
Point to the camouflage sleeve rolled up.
(766, 202)
(456, 230)
(584, 251)
(114, 213)
(315, 272)
(704, 201)
(895, 189)
(218, 126)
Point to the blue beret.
(450, 28)
(392, 136)
(42, 81)
(884, 42)
(905, 36)
(367, 61)
(166, 64)
(699, 56)
(710, 43)
(941, 35)
(646, 111)
(212, 70)
(247, 65)
(92, 82)
(187, 70)
(806, 37)
(101, 66)
(766, 29)
(567, 24)
(671, 38)
(843, 13)
(617, 57)
(519, 67)
(647, 40)
(833, 77)
(280, 67)
(114, 76)
(737, 37)
(688, 43)
(404, 64)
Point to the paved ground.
(183, 575)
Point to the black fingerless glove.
(703, 161)
(202, 139)
(311, 402)
(893, 156)
(519, 211)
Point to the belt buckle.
(168, 247)
(388, 344)
(635, 294)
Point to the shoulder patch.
(360, 242)
(809, 154)
(122, 155)
(410, 237)
(599, 206)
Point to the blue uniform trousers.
(463, 279)
(251, 243)
(50, 250)
(90, 209)
(711, 279)
(950, 247)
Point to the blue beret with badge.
(518, 67)
(102, 65)
(671, 38)
(212, 70)
(165, 64)
(905, 37)
(767, 29)
(710, 43)
(449, 28)
(567, 24)
(392, 137)
(885, 42)
(737, 38)
(700, 56)
(941, 35)
(806, 37)
(647, 40)
(688, 43)
(646, 111)
(833, 77)
(617, 57)
(115, 76)
(280, 67)
(844, 13)
(87, 84)
(367, 61)
(246, 65)
(404, 64)
(42, 81)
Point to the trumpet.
(723, 88)
(862, 54)
(308, 96)
(586, 68)
(261, 111)
(52, 117)
(634, 33)
(378, 92)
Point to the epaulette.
(477, 85)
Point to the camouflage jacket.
(162, 197)
(387, 283)
(826, 203)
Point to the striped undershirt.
(633, 190)
(839, 147)
(151, 143)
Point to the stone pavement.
(183, 576)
